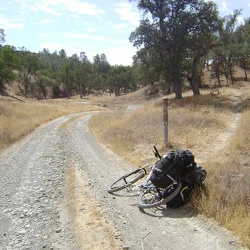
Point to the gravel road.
(52, 181)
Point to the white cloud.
(91, 30)
(241, 20)
(120, 55)
(79, 7)
(43, 35)
(47, 21)
(120, 26)
(226, 9)
(8, 24)
(223, 7)
(61, 7)
(47, 9)
(73, 6)
(126, 13)
(86, 36)
(94, 37)
(247, 3)
(33, 8)
(74, 16)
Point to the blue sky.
(90, 26)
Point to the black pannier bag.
(182, 197)
(171, 167)
(193, 179)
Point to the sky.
(90, 26)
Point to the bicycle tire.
(121, 183)
(155, 201)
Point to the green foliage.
(242, 46)
(83, 74)
(67, 77)
(2, 35)
(28, 66)
(8, 62)
(147, 66)
(121, 78)
(228, 49)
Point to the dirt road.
(53, 196)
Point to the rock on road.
(34, 190)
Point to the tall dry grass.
(193, 122)
(206, 125)
(18, 119)
(228, 184)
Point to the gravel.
(33, 212)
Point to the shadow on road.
(187, 211)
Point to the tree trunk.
(231, 76)
(80, 89)
(44, 91)
(117, 91)
(218, 79)
(2, 87)
(177, 89)
(194, 80)
(245, 71)
(167, 84)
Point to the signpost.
(165, 120)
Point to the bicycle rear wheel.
(127, 180)
(151, 198)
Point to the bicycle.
(150, 196)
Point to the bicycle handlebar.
(156, 152)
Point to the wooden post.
(165, 120)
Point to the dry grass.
(18, 119)
(228, 195)
(191, 125)
(206, 125)
(91, 229)
(228, 182)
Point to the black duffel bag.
(171, 167)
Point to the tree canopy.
(179, 34)
(2, 35)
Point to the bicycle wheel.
(127, 180)
(151, 198)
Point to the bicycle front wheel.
(151, 198)
(127, 180)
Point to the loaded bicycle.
(152, 194)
